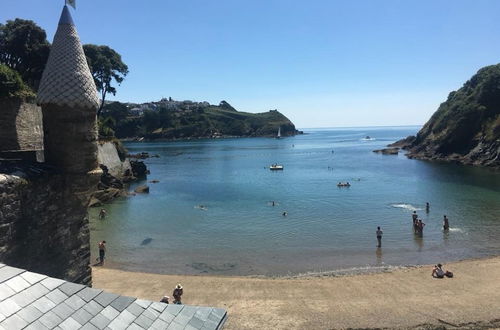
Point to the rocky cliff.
(466, 127)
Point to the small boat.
(341, 184)
(278, 136)
(276, 167)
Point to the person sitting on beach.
(438, 272)
(446, 223)
(178, 291)
(165, 299)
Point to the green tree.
(11, 84)
(24, 48)
(106, 66)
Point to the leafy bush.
(11, 84)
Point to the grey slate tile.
(8, 272)
(9, 307)
(110, 313)
(93, 308)
(122, 302)
(63, 310)
(56, 296)
(196, 322)
(75, 302)
(135, 309)
(37, 290)
(37, 325)
(174, 309)
(118, 324)
(150, 314)
(158, 306)
(5, 292)
(14, 323)
(210, 325)
(175, 326)
(203, 313)
(219, 312)
(190, 327)
(71, 288)
(69, 324)
(82, 316)
(50, 320)
(143, 321)
(143, 303)
(166, 316)
(32, 278)
(88, 326)
(43, 304)
(2, 317)
(52, 283)
(17, 283)
(24, 298)
(105, 298)
(100, 321)
(29, 313)
(134, 326)
(126, 317)
(159, 325)
(88, 294)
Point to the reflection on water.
(211, 211)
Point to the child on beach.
(438, 272)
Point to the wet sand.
(403, 298)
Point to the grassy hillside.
(195, 122)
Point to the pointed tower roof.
(66, 80)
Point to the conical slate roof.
(67, 80)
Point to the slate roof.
(66, 80)
(38, 302)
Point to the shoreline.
(400, 298)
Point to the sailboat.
(278, 136)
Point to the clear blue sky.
(322, 63)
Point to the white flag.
(72, 3)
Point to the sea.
(212, 212)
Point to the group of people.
(178, 291)
(418, 225)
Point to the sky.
(322, 63)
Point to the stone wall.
(44, 224)
(20, 126)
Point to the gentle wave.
(353, 271)
(456, 230)
(407, 207)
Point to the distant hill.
(170, 119)
(466, 127)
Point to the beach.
(401, 298)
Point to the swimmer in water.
(285, 213)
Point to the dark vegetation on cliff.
(186, 119)
(466, 127)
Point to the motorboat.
(276, 167)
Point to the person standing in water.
(427, 207)
(102, 252)
(379, 236)
(446, 223)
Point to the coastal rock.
(144, 189)
(139, 168)
(107, 195)
(466, 127)
(387, 151)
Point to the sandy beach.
(403, 298)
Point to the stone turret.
(69, 101)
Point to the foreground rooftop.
(34, 301)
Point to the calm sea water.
(211, 212)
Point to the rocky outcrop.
(107, 155)
(387, 151)
(466, 127)
(144, 189)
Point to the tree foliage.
(24, 48)
(11, 84)
(107, 67)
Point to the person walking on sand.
(102, 252)
(178, 291)
(379, 236)
(446, 223)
